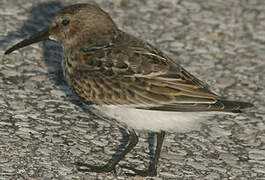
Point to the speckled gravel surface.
(44, 129)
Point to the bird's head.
(74, 25)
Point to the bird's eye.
(65, 22)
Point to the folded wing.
(143, 78)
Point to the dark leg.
(111, 166)
(152, 169)
(159, 143)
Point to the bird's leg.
(152, 169)
(111, 166)
(159, 143)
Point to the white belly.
(154, 120)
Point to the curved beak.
(40, 36)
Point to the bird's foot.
(144, 173)
(91, 168)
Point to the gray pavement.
(44, 129)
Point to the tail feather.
(235, 106)
(220, 105)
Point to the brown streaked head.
(81, 22)
(75, 24)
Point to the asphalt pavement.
(44, 129)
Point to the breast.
(69, 63)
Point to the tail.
(233, 106)
(219, 106)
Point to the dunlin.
(127, 80)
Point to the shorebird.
(128, 80)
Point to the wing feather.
(142, 77)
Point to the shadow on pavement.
(39, 18)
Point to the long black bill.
(40, 36)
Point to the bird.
(126, 80)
